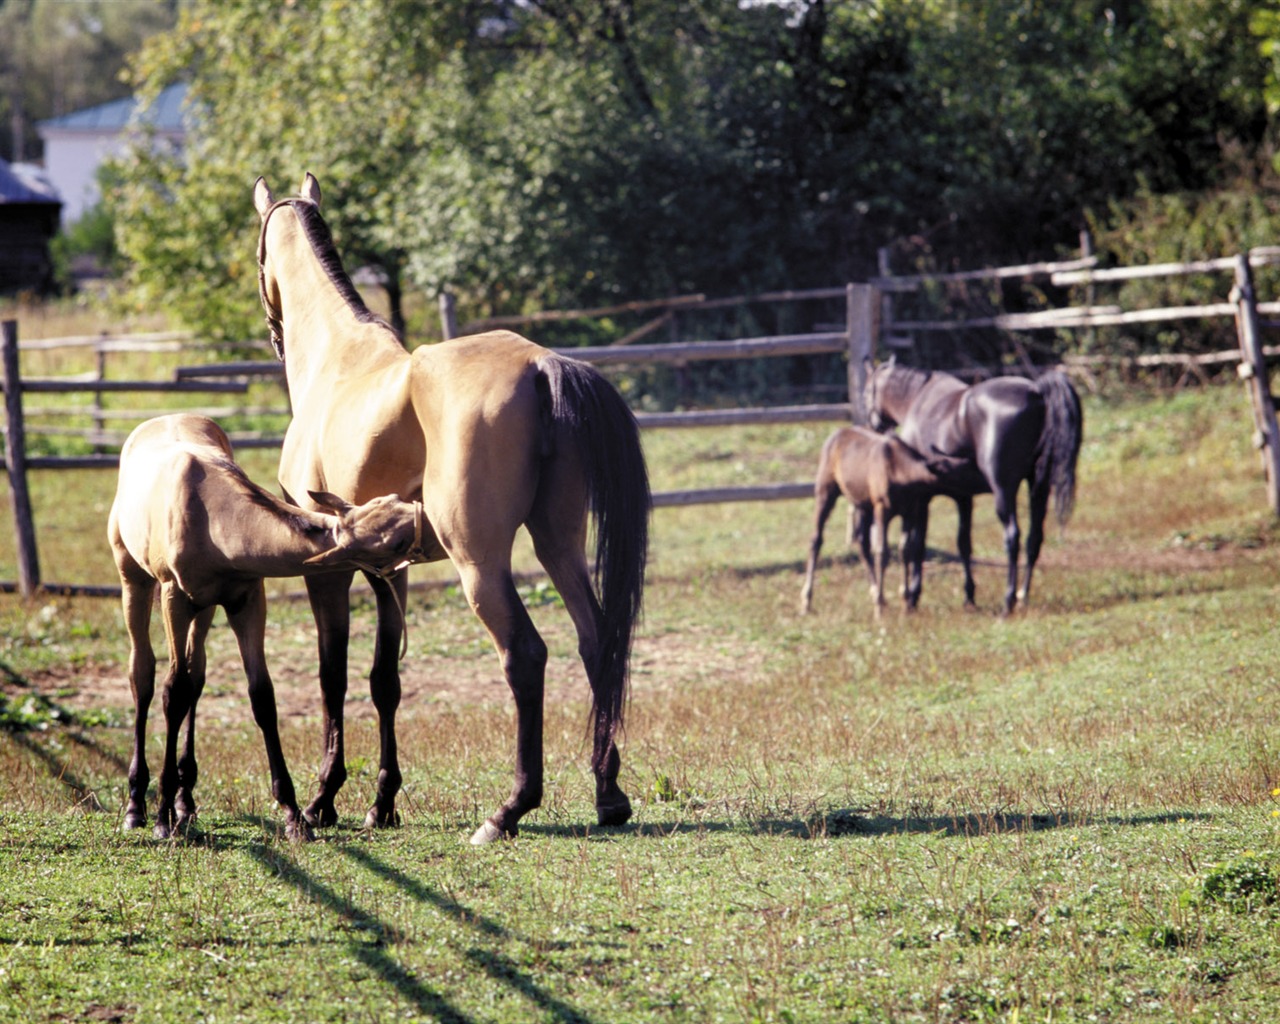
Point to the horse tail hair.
(1060, 442)
(582, 401)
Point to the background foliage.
(57, 57)
(564, 152)
(560, 152)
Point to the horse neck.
(901, 387)
(259, 535)
(321, 323)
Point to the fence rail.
(869, 324)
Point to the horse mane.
(321, 240)
(905, 380)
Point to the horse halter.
(416, 553)
(274, 317)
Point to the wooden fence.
(855, 340)
(869, 324)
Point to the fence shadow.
(27, 715)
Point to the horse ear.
(310, 188)
(331, 502)
(262, 197)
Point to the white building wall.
(71, 162)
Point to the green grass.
(1070, 815)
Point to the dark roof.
(19, 185)
(165, 114)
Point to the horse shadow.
(374, 936)
(853, 822)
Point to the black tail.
(1060, 443)
(618, 488)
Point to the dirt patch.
(659, 662)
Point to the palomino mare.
(1012, 428)
(490, 432)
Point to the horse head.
(873, 394)
(382, 536)
(268, 292)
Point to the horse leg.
(964, 546)
(184, 802)
(178, 614)
(384, 689)
(879, 554)
(248, 622)
(1007, 513)
(493, 597)
(1035, 534)
(138, 591)
(561, 555)
(915, 526)
(330, 607)
(825, 501)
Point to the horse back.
(859, 461)
(168, 467)
(934, 420)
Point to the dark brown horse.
(491, 433)
(1013, 430)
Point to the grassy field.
(1070, 815)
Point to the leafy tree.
(541, 153)
(57, 56)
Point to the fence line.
(231, 378)
(865, 305)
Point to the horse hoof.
(298, 831)
(488, 833)
(161, 831)
(614, 814)
(376, 819)
(320, 815)
(134, 820)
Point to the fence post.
(15, 455)
(860, 309)
(99, 422)
(448, 316)
(1253, 370)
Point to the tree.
(537, 153)
(57, 56)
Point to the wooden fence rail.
(869, 323)
(232, 378)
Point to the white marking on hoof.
(487, 833)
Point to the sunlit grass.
(1067, 815)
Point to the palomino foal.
(882, 477)
(187, 517)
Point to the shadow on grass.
(38, 715)
(851, 822)
(847, 559)
(374, 953)
(500, 968)
(840, 823)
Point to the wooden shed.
(29, 213)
